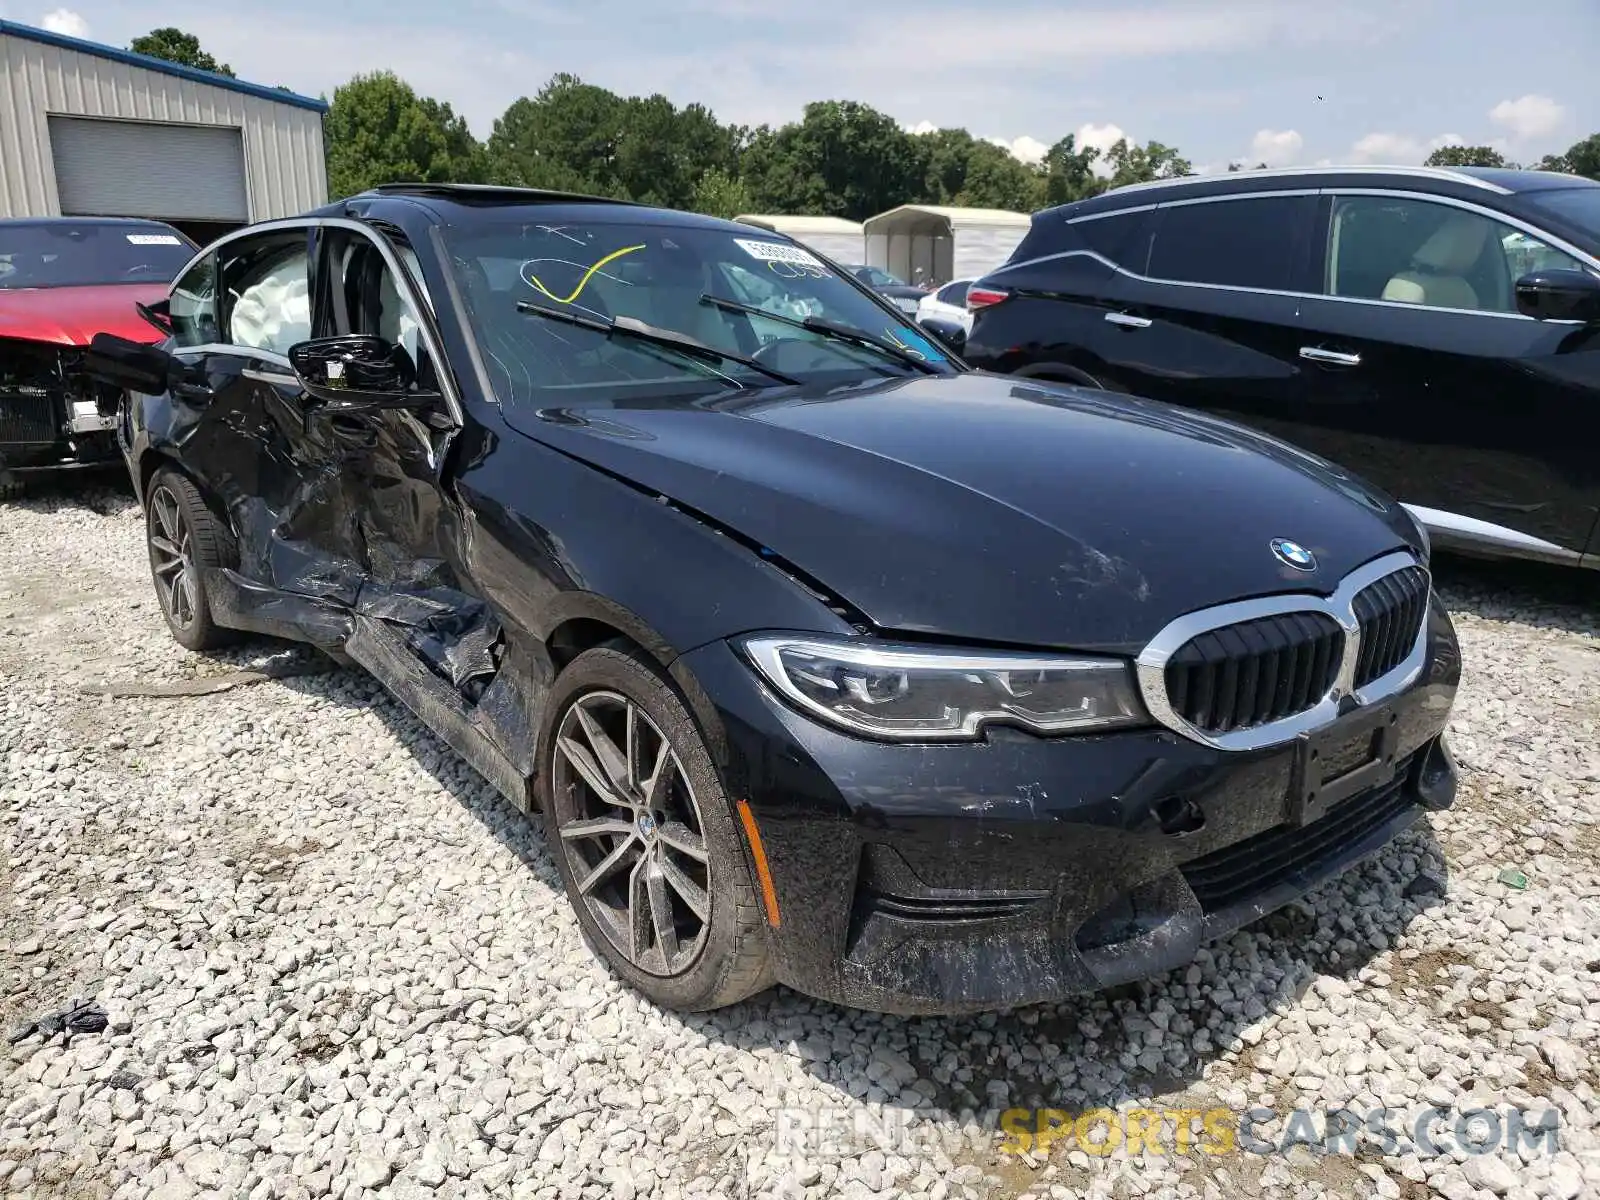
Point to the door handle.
(281, 379)
(1128, 320)
(1334, 358)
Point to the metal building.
(90, 130)
(831, 237)
(943, 244)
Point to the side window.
(267, 303)
(366, 297)
(193, 305)
(954, 293)
(1251, 243)
(1123, 238)
(1438, 255)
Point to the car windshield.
(79, 253)
(748, 295)
(1578, 207)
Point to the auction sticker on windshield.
(153, 239)
(779, 252)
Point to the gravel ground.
(335, 963)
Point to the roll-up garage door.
(149, 169)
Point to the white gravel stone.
(336, 963)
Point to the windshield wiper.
(654, 334)
(844, 333)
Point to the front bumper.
(939, 879)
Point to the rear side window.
(1253, 243)
(1124, 238)
(954, 293)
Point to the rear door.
(1422, 376)
(1210, 319)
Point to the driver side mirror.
(359, 371)
(1557, 295)
(129, 365)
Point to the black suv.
(1435, 331)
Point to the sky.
(1281, 81)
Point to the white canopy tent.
(931, 242)
(831, 237)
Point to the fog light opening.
(1177, 816)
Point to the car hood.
(71, 316)
(993, 509)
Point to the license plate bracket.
(1350, 756)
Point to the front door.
(1422, 376)
(406, 523)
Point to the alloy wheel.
(631, 832)
(172, 558)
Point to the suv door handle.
(1334, 358)
(1128, 320)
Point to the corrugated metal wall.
(982, 248)
(285, 170)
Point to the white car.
(946, 308)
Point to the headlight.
(915, 694)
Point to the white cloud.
(1026, 149)
(66, 22)
(1102, 138)
(1529, 116)
(921, 127)
(1400, 148)
(1276, 148)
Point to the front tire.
(644, 836)
(185, 538)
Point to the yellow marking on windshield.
(536, 282)
(896, 340)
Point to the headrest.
(1455, 245)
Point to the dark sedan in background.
(823, 658)
(62, 280)
(1436, 331)
(904, 296)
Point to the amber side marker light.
(769, 894)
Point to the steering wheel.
(141, 267)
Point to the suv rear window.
(1252, 242)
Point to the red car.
(63, 280)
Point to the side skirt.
(437, 705)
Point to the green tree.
(996, 178)
(1466, 156)
(841, 159)
(1141, 164)
(1581, 158)
(719, 194)
(1260, 166)
(1069, 172)
(175, 45)
(566, 137)
(378, 130)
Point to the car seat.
(1437, 275)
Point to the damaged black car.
(822, 658)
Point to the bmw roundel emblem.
(1293, 554)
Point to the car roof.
(464, 203)
(1461, 182)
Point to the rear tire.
(644, 836)
(185, 538)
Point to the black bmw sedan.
(822, 658)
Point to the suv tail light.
(985, 297)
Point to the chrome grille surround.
(1150, 666)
